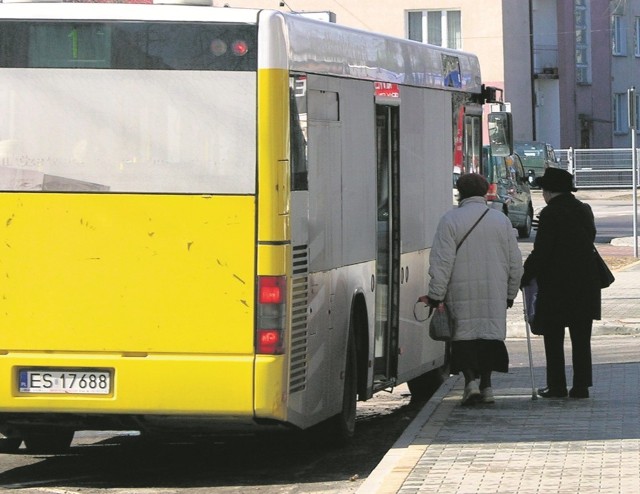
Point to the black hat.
(556, 180)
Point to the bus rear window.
(128, 45)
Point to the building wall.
(586, 109)
(518, 60)
(594, 101)
(625, 70)
(567, 73)
(546, 101)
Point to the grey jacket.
(476, 282)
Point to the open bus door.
(388, 243)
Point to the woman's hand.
(430, 302)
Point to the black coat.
(564, 264)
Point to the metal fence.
(599, 168)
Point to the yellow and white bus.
(216, 218)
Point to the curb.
(394, 468)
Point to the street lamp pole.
(633, 112)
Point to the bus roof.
(328, 48)
(47, 10)
(296, 43)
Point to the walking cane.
(534, 395)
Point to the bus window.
(298, 139)
(128, 45)
(472, 141)
(500, 133)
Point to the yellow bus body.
(159, 289)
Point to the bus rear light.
(271, 314)
(218, 47)
(492, 193)
(269, 342)
(271, 289)
(239, 48)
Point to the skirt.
(479, 355)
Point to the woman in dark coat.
(564, 265)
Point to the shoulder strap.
(471, 229)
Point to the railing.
(598, 168)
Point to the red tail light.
(269, 341)
(492, 193)
(271, 315)
(271, 289)
(239, 48)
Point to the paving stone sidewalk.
(524, 445)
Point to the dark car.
(536, 157)
(509, 189)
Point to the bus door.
(388, 245)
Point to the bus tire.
(339, 429)
(346, 420)
(49, 442)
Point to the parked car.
(509, 189)
(536, 157)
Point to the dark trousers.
(580, 332)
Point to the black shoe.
(579, 392)
(552, 392)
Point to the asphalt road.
(268, 463)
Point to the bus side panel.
(359, 221)
(426, 155)
(341, 229)
(270, 390)
(271, 370)
(273, 148)
(274, 191)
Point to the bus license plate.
(64, 381)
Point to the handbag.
(442, 324)
(530, 299)
(605, 276)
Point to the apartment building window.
(583, 42)
(436, 27)
(618, 35)
(620, 124)
(636, 37)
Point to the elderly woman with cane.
(563, 262)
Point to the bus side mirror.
(500, 133)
